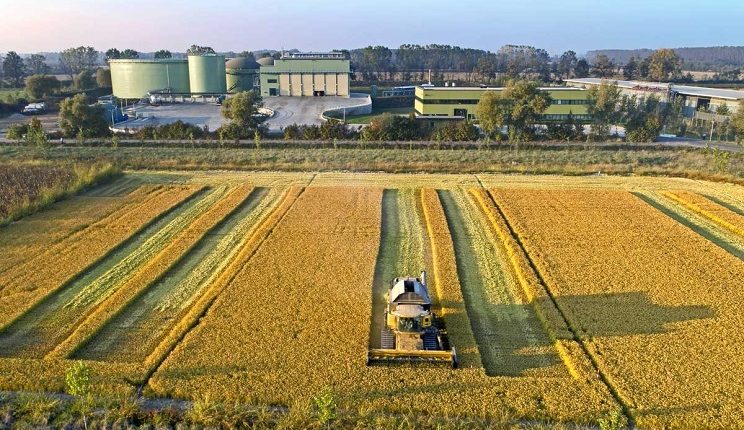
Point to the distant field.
(567, 298)
(15, 92)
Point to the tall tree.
(75, 60)
(630, 70)
(738, 122)
(582, 69)
(129, 54)
(112, 54)
(103, 77)
(38, 86)
(14, 69)
(247, 54)
(78, 119)
(603, 67)
(664, 64)
(567, 64)
(36, 64)
(200, 50)
(491, 112)
(604, 100)
(163, 53)
(242, 111)
(526, 103)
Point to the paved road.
(303, 110)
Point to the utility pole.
(712, 123)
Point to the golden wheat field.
(567, 299)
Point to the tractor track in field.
(210, 297)
(704, 227)
(402, 251)
(38, 330)
(136, 329)
(510, 337)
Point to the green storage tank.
(134, 78)
(207, 74)
(242, 74)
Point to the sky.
(319, 25)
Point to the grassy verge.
(38, 185)
(536, 159)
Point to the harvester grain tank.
(412, 333)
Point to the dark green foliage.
(393, 127)
(327, 131)
(78, 119)
(39, 86)
(567, 131)
(178, 130)
(459, 131)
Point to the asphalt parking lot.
(303, 110)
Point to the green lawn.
(366, 119)
(15, 92)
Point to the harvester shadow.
(626, 314)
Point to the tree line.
(717, 58)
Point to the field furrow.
(510, 337)
(706, 208)
(135, 331)
(38, 331)
(658, 305)
(695, 221)
(401, 250)
(103, 245)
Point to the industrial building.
(460, 102)
(306, 74)
(694, 98)
(209, 75)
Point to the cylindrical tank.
(241, 74)
(134, 78)
(207, 74)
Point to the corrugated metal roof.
(688, 90)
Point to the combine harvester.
(412, 332)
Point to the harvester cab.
(412, 332)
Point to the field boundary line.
(529, 288)
(135, 287)
(201, 307)
(698, 224)
(196, 192)
(458, 316)
(604, 376)
(704, 213)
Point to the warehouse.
(694, 98)
(460, 102)
(306, 74)
(208, 76)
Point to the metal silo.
(207, 74)
(134, 78)
(242, 74)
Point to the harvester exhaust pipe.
(423, 278)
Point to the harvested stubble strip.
(700, 205)
(33, 237)
(24, 287)
(447, 282)
(239, 261)
(153, 271)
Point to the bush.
(327, 131)
(178, 130)
(459, 131)
(392, 127)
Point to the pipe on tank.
(423, 278)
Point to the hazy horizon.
(233, 25)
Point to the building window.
(570, 102)
(271, 81)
